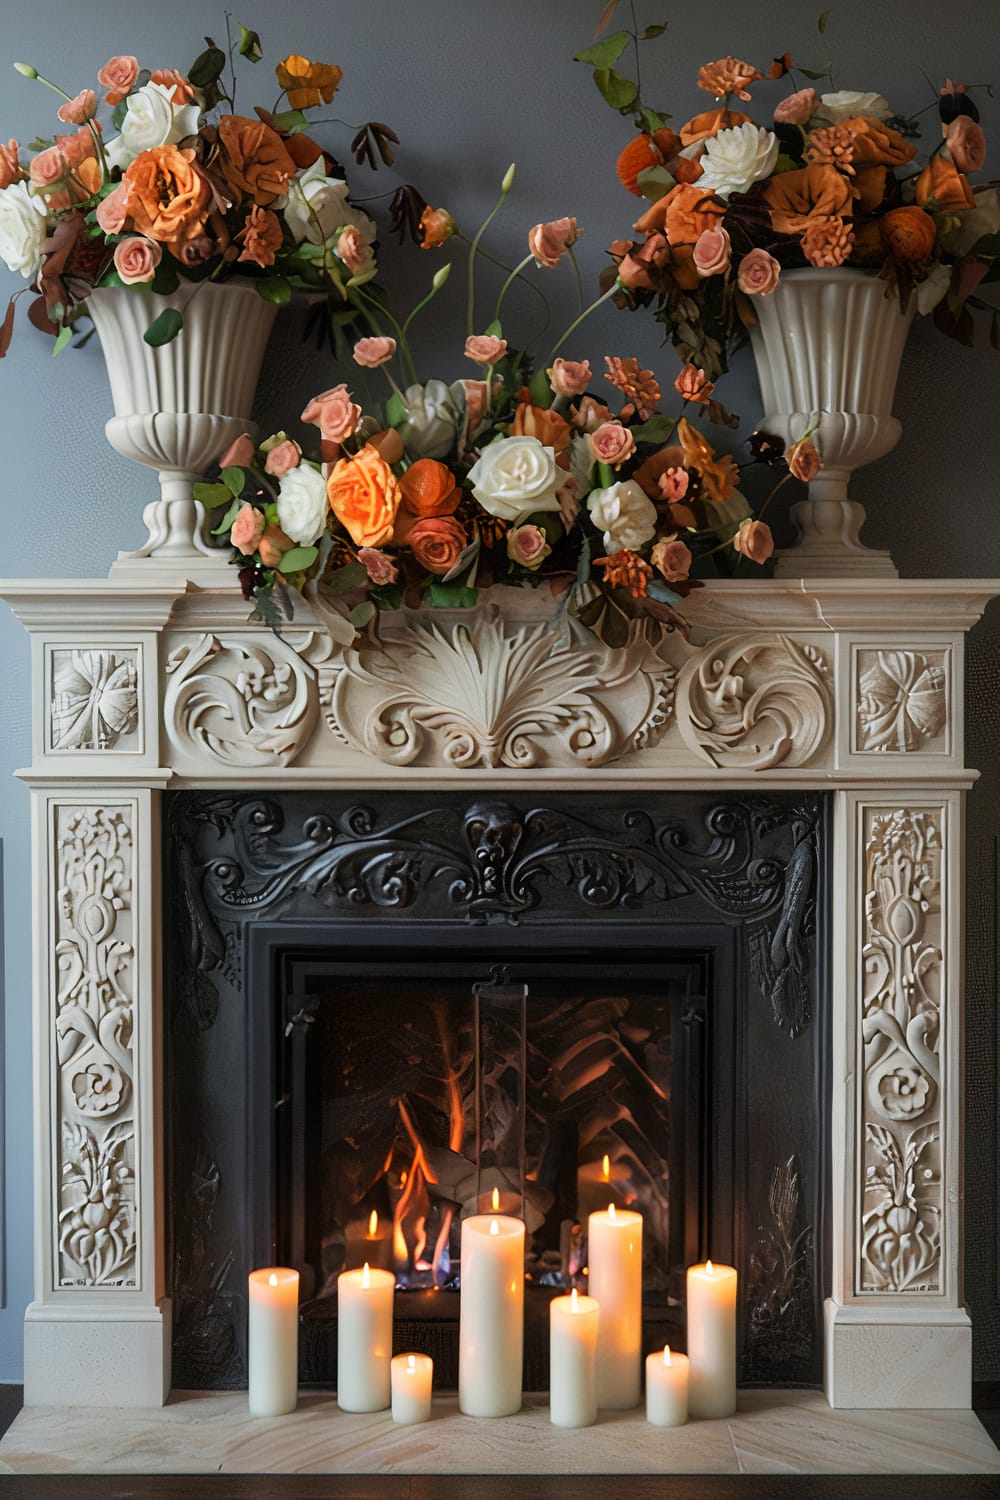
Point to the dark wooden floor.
(507, 1487)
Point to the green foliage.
(605, 54)
(212, 494)
(395, 412)
(652, 32)
(290, 121)
(350, 576)
(231, 513)
(62, 339)
(652, 119)
(360, 615)
(249, 43)
(166, 280)
(297, 559)
(539, 389)
(164, 328)
(234, 478)
(656, 430)
(654, 183)
(207, 67)
(275, 289)
(823, 22)
(451, 596)
(620, 92)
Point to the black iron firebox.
(320, 957)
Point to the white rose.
(844, 104)
(317, 208)
(23, 227)
(431, 420)
(625, 513)
(515, 476)
(151, 119)
(302, 504)
(736, 158)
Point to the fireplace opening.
(324, 1105)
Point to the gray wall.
(470, 85)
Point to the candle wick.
(494, 1227)
(666, 1355)
(272, 1280)
(366, 1276)
(411, 1363)
(709, 1268)
(611, 1212)
(574, 1300)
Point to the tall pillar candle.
(711, 1331)
(667, 1388)
(364, 1339)
(273, 1341)
(614, 1252)
(491, 1316)
(573, 1325)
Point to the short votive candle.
(412, 1376)
(667, 1388)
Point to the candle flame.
(494, 1227)
(372, 1224)
(666, 1356)
(709, 1268)
(574, 1301)
(495, 1200)
(366, 1276)
(272, 1280)
(606, 1168)
(411, 1364)
(404, 1174)
(611, 1212)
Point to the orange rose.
(254, 159)
(709, 124)
(539, 422)
(876, 144)
(364, 495)
(908, 233)
(796, 197)
(307, 83)
(689, 212)
(166, 195)
(942, 181)
(260, 236)
(870, 184)
(438, 543)
(429, 489)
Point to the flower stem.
(470, 306)
(508, 283)
(615, 286)
(436, 286)
(401, 338)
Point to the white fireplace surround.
(853, 686)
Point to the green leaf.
(249, 43)
(298, 559)
(620, 92)
(539, 390)
(494, 331)
(166, 281)
(814, 72)
(823, 22)
(207, 67)
(604, 53)
(785, 163)
(395, 412)
(290, 121)
(389, 596)
(62, 339)
(361, 614)
(654, 183)
(275, 289)
(451, 596)
(350, 576)
(230, 516)
(164, 328)
(656, 430)
(653, 120)
(234, 478)
(118, 113)
(652, 32)
(212, 494)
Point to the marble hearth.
(853, 687)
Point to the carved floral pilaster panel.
(94, 699)
(92, 965)
(902, 701)
(902, 1201)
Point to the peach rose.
(795, 197)
(672, 558)
(79, 110)
(636, 266)
(484, 348)
(117, 76)
(364, 495)
(711, 252)
(373, 352)
(47, 168)
(136, 259)
(112, 211)
(253, 159)
(942, 181)
(261, 236)
(429, 488)
(247, 530)
(334, 413)
(569, 377)
(693, 384)
(273, 545)
(378, 565)
(611, 443)
(710, 123)
(966, 143)
(803, 460)
(549, 242)
(282, 458)
(908, 233)
(239, 454)
(167, 194)
(528, 546)
(437, 543)
(754, 541)
(759, 274)
(797, 108)
(352, 249)
(673, 484)
(76, 148)
(10, 163)
(540, 422)
(183, 91)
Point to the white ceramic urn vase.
(828, 346)
(179, 406)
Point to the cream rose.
(625, 513)
(431, 419)
(151, 119)
(516, 476)
(527, 546)
(844, 104)
(302, 504)
(737, 158)
(318, 211)
(23, 227)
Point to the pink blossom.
(10, 163)
(334, 413)
(711, 252)
(611, 443)
(754, 540)
(797, 108)
(47, 168)
(758, 274)
(570, 377)
(528, 546)
(549, 242)
(79, 110)
(282, 458)
(672, 558)
(77, 147)
(136, 259)
(117, 76)
(484, 348)
(239, 454)
(803, 460)
(112, 211)
(247, 529)
(352, 249)
(674, 484)
(374, 352)
(378, 565)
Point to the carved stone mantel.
(851, 686)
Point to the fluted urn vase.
(828, 347)
(179, 406)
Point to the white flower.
(23, 227)
(317, 208)
(844, 104)
(302, 504)
(625, 513)
(736, 158)
(431, 419)
(516, 476)
(151, 119)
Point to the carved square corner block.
(93, 699)
(903, 701)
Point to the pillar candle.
(573, 1325)
(491, 1316)
(667, 1388)
(364, 1339)
(412, 1375)
(599, 1183)
(614, 1252)
(711, 1332)
(368, 1240)
(273, 1341)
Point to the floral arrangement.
(176, 186)
(536, 477)
(826, 179)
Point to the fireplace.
(830, 711)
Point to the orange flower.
(364, 495)
(645, 151)
(796, 197)
(945, 184)
(183, 92)
(10, 164)
(254, 159)
(693, 384)
(827, 240)
(908, 233)
(626, 570)
(307, 83)
(710, 123)
(429, 488)
(539, 422)
(436, 225)
(719, 474)
(166, 195)
(870, 185)
(877, 144)
(261, 236)
(727, 76)
(437, 543)
(688, 212)
(639, 386)
(833, 146)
